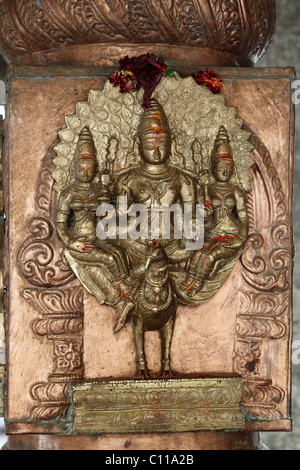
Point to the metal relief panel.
(49, 282)
(158, 406)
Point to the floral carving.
(247, 359)
(173, 406)
(68, 356)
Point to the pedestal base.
(172, 442)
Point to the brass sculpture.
(155, 182)
(146, 277)
(99, 267)
(227, 223)
(155, 309)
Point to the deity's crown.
(85, 145)
(154, 120)
(222, 147)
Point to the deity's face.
(222, 169)
(85, 165)
(155, 147)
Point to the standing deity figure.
(101, 267)
(155, 183)
(226, 219)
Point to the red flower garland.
(210, 79)
(142, 71)
(147, 71)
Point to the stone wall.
(285, 52)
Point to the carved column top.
(205, 32)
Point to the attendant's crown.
(222, 147)
(85, 145)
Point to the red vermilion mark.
(225, 155)
(219, 243)
(190, 286)
(207, 204)
(122, 292)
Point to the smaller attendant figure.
(101, 267)
(226, 220)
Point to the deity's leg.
(138, 331)
(166, 337)
(203, 264)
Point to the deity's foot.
(125, 309)
(166, 374)
(143, 374)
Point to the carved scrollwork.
(53, 400)
(61, 310)
(262, 327)
(254, 265)
(263, 304)
(62, 323)
(261, 399)
(44, 193)
(53, 301)
(266, 259)
(36, 257)
(265, 300)
(52, 327)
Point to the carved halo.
(194, 113)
